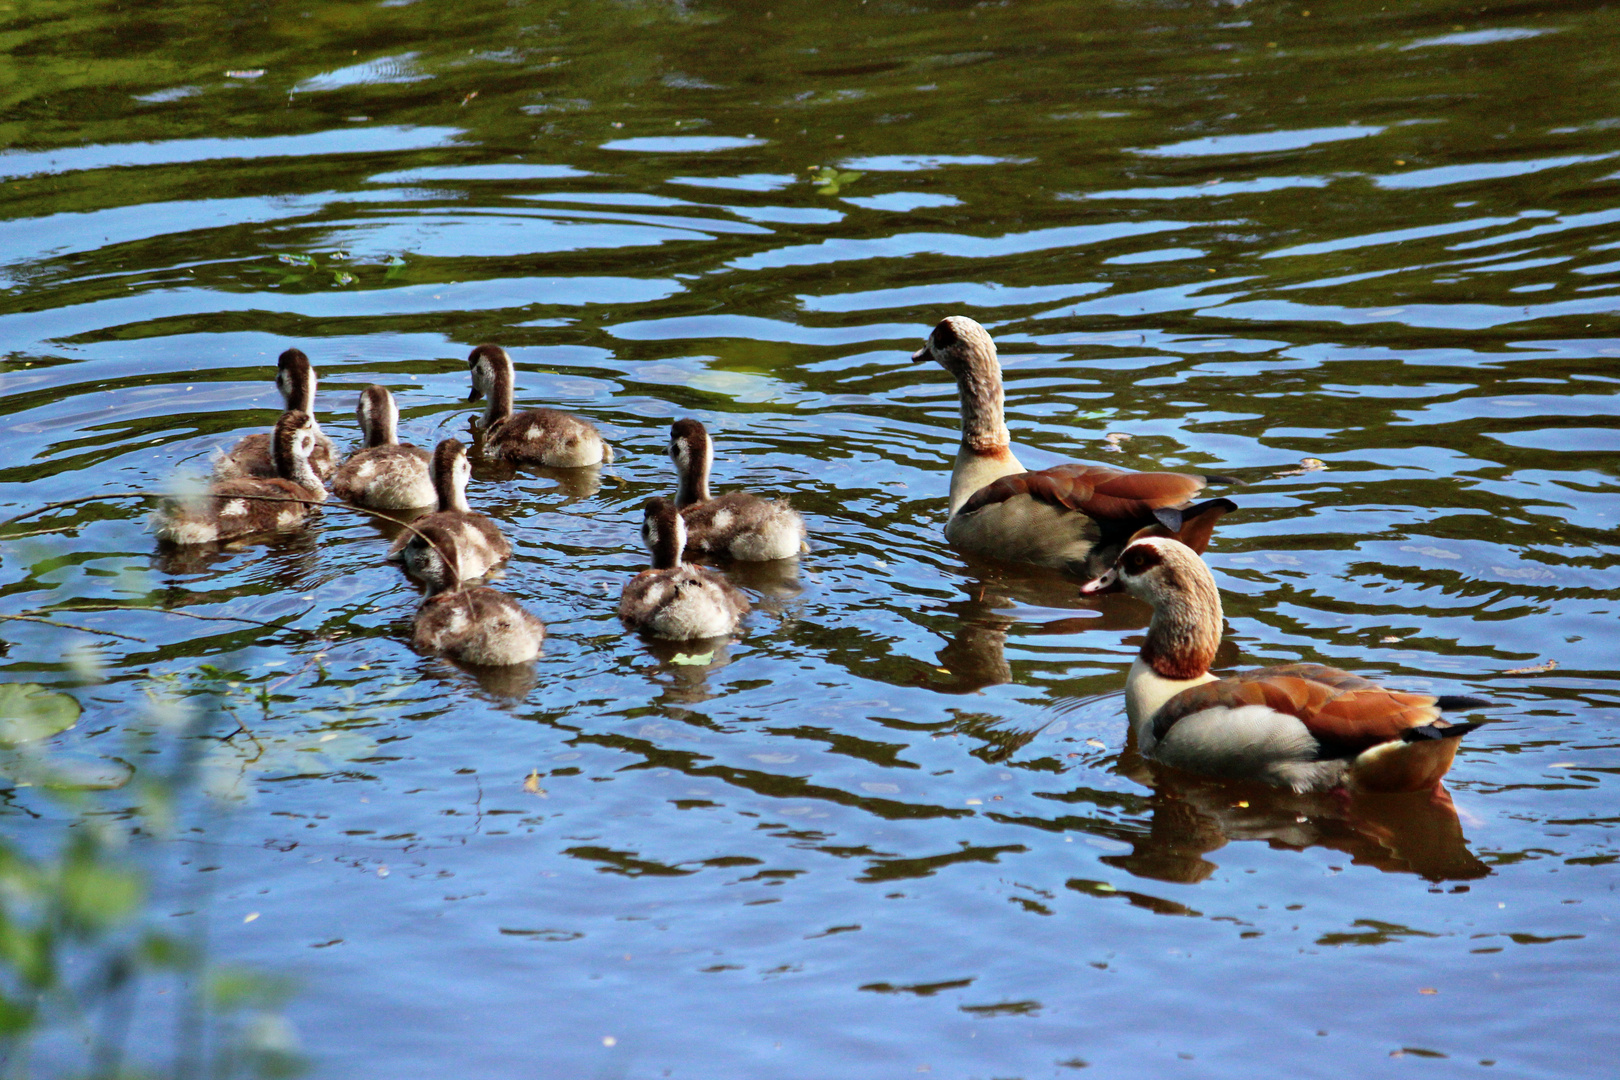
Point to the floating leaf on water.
(342, 277)
(692, 659)
(1533, 669)
(532, 784)
(30, 712)
(831, 179)
(295, 260)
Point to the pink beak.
(1108, 583)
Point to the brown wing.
(1107, 496)
(1345, 712)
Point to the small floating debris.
(1115, 440)
(245, 73)
(1306, 465)
(1533, 669)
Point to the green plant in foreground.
(76, 940)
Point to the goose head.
(693, 455)
(1169, 575)
(295, 380)
(451, 470)
(663, 531)
(378, 416)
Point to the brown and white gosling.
(477, 540)
(1071, 517)
(737, 525)
(673, 599)
(475, 625)
(534, 437)
(1302, 726)
(251, 456)
(252, 504)
(387, 474)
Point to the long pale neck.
(500, 395)
(978, 386)
(1186, 629)
(694, 485)
(976, 468)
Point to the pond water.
(1366, 261)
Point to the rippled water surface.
(893, 827)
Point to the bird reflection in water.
(572, 484)
(512, 682)
(975, 656)
(683, 669)
(1192, 816)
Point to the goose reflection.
(975, 654)
(682, 673)
(512, 682)
(1192, 817)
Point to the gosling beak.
(475, 395)
(1108, 583)
(920, 355)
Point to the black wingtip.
(1456, 701)
(1169, 517)
(1439, 731)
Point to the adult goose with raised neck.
(674, 599)
(386, 474)
(737, 525)
(1072, 517)
(247, 505)
(475, 625)
(536, 436)
(1308, 727)
(477, 540)
(252, 455)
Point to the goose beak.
(475, 395)
(1108, 583)
(920, 355)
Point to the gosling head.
(295, 379)
(663, 531)
(483, 362)
(378, 415)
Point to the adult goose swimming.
(1302, 726)
(673, 599)
(475, 625)
(1072, 517)
(251, 456)
(477, 540)
(252, 504)
(736, 525)
(387, 474)
(534, 437)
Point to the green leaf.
(30, 712)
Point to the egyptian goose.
(387, 474)
(1070, 517)
(1301, 726)
(478, 541)
(475, 625)
(673, 599)
(737, 525)
(535, 437)
(251, 456)
(253, 504)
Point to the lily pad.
(30, 712)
